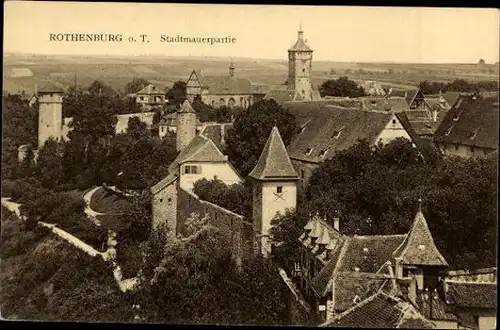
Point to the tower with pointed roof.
(186, 125)
(50, 123)
(418, 255)
(300, 66)
(274, 187)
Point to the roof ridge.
(469, 282)
(353, 308)
(374, 236)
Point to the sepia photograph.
(262, 165)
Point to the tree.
(49, 167)
(251, 129)
(19, 128)
(99, 88)
(481, 61)
(201, 262)
(236, 197)
(341, 87)
(137, 128)
(136, 85)
(375, 191)
(177, 94)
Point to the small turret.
(231, 69)
(186, 125)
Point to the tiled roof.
(300, 45)
(451, 98)
(471, 122)
(419, 247)
(397, 103)
(171, 120)
(166, 181)
(200, 149)
(409, 95)
(472, 295)
(381, 311)
(280, 95)
(369, 253)
(186, 108)
(226, 84)
(150, 90)
(216, 133)
(433, 307)
(352, 287)
(273, 162)
(327, 129)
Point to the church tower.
(274, 187)
(50, 99)
(186, 125)
(299, 68)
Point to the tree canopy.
(251, 129)
(135, 85)
(341, 87)
(177, 93)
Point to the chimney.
(412, 291)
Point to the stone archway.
(231, 103)
(222, 102)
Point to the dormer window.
(309, 151)
(323, 153)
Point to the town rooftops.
(325, 129)
(471, 294)
(273, 163)
(150, 90)
(216, 132)
(226, 84)
(419, 248)
(381, 311)
(472, 121)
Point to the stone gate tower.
(50, 123)
(299, 68)
(274, 187)
(186, 125)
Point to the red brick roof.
(273, 163)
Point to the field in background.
(24, 72)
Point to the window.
(323, 153)
(302, 173)
(456, 146)
(169, 200)
(279, 189)
(309, 151)
(394, 121)
(192, 169)
(161, 200)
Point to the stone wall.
(232, 225)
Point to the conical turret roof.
(419, 247)
(186, 108)
(274, 163)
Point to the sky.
(343, 34)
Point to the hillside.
(23, 72)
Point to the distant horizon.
(344, 34)
(7, 53)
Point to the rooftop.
(274, 163)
